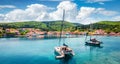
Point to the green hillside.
(30, 24)
(45, 26)
(56, 25)
(110, 22)
(108, 26)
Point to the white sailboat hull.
(61, 53)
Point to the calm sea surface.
(25, 51)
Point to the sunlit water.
(24, 51)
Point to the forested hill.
(108, 26)
(56, 25)
(110, 22)
(45, 26)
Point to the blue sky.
(111, 5)
(80, 11)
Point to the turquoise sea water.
(25, 51)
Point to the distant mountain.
(77, 24)
(45, 26)
(108, 26)
(110, 22)
(56, 25)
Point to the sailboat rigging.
(61, 28)
(62, 51)
(92, 41)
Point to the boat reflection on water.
(67, 60)
(93, 51)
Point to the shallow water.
(24, 51)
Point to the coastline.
(56, 36)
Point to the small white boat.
(63, 51)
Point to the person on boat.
(93, 40)
(67, 49)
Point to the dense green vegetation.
(30, 24)
(108, 26)
(1, 33)
(44, 26)
(56, 25)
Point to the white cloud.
(116, 18)
(85, 12)
(7, 6)
(91, 14)
(2, 17)
(15, 15)
(32, 12)
(70, 11)
(84, 15)
(40, 12)
(106, 12)
(89, 20)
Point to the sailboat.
(64, 50)
(92, 41)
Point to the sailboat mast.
(61, 26)
(90, 29)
